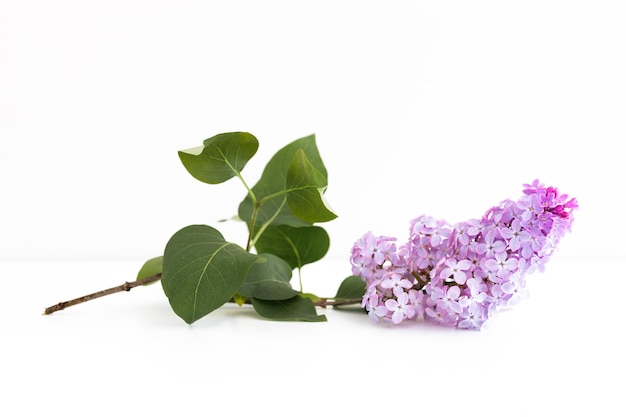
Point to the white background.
(441, 108)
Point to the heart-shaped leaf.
(294, 309)
(222, 157)
(202, 271)
(298, 246)
(268, 280)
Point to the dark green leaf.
(150, 268)
(201, 271)
(352, 287)
(294, 309)
(296, 245)
(222, 157)
(272, 182)
(306, 186)
(268, 280)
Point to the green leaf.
(293, 309)
(298, 246)
(150, 268)
(202, 271)
(268, 280)
(306, 186)
(351, 288)
(222, 157)
(273, 182)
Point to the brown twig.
(325, 302)
(127, 286)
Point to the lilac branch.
(127, 286)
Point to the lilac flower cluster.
(460, 275)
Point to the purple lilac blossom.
(462, 274)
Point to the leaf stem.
(256, 204)
(300, 276)
(250, 193)
(255, 213)
(264, 225)
(127, 286)
(285, 192)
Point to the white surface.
(558, 352)
(443, 108)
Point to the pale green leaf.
(239, 299)
(150, 268)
